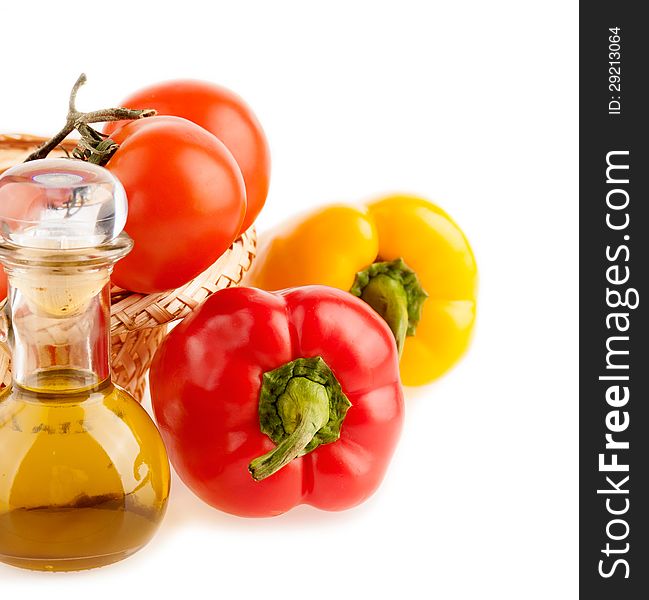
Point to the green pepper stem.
(304, 410)
(393, 290)
(387, 296)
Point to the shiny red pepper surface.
(208, 375)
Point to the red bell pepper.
(270, 400)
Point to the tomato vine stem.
(81, 121)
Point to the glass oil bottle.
(84, 475)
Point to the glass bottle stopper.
(60, 204)
(54, 214)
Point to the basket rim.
(30, 138)
(132, 311)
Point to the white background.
(473, 104)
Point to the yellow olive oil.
(84, 476)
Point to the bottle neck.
(59, 327)
(58, 314)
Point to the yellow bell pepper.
(403, 255)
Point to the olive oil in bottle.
(84, 475)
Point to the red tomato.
(224, 114)
(186, 200)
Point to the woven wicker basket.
(139, 322)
